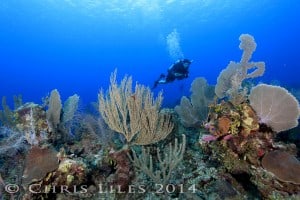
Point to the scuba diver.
(179, 70)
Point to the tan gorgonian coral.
(54, 109)
(248, 45)
(231, 78)
(167, 161)
(135, 114)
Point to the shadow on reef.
(290, 136)
(244, 180)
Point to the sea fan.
(275, 107)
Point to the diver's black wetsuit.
(179, 70)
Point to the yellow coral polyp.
(249, 121)
(235, 122)
(65, 166)
(218, 108)
(48, 176)
(70, 178)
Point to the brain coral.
(275, 107)
(283, 165)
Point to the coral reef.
(227, 119)
(243, 132)
(31, 120)
(124, 169)
(69, 173)
(59, 153)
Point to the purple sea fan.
(275, 107)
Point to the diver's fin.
(162, 76)
(158, 80)
(155, 84)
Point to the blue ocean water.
(73, 46)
